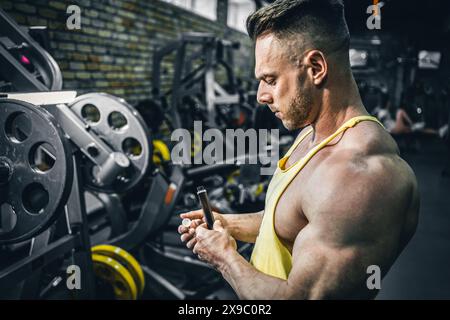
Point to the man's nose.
(263, 96)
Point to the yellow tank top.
(269, 255)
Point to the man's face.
(283, 86)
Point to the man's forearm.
(249, 283)
(243, 227)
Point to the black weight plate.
(36, 191)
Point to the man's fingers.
(218, 226)
(185, 237)
(202, 232)
(182, 229)
(197, 214)
(196, 223)
(190, 234)
(196, 247)
(191, 243)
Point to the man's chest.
(290, 214)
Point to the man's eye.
(271, 82)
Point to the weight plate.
(161, 152)
(126, 259)
(37, 168)
(196, 144)
(116, 275)
(121, 127)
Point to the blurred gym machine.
(17, 50)
(194, 93)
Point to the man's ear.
(318, 67)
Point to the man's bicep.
(321, 269)
(351, 226)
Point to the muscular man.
(341, 199)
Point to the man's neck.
(335, 111)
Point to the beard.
(299, 110)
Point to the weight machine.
(194, 93)
(55, 146)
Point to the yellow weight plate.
(160, 152)
(259, 189)
(197, 143)
(126, 259)
(232, 176)
(115, 274)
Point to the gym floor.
(422, 270)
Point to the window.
(205, 8)
(358, 58)
(429, 59)
(238, 11)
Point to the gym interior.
(91, 93)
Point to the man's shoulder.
(369, 138)
(358, 187)
(382, 168)
(368, 158)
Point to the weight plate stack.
(126, 260)
(116, 275)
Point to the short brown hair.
(321, 22)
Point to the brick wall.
(113, 50)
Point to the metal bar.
(157, 60)
(116, 213)
(176, 98)
(153, 206)
(177, 293)
(15, 73)
(52, 73)
(209, 169)
(30, 289)
(22, 269)
(43, 98)
(77, 220)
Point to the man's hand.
(242, 226)
(214, 246)
(197, 220)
